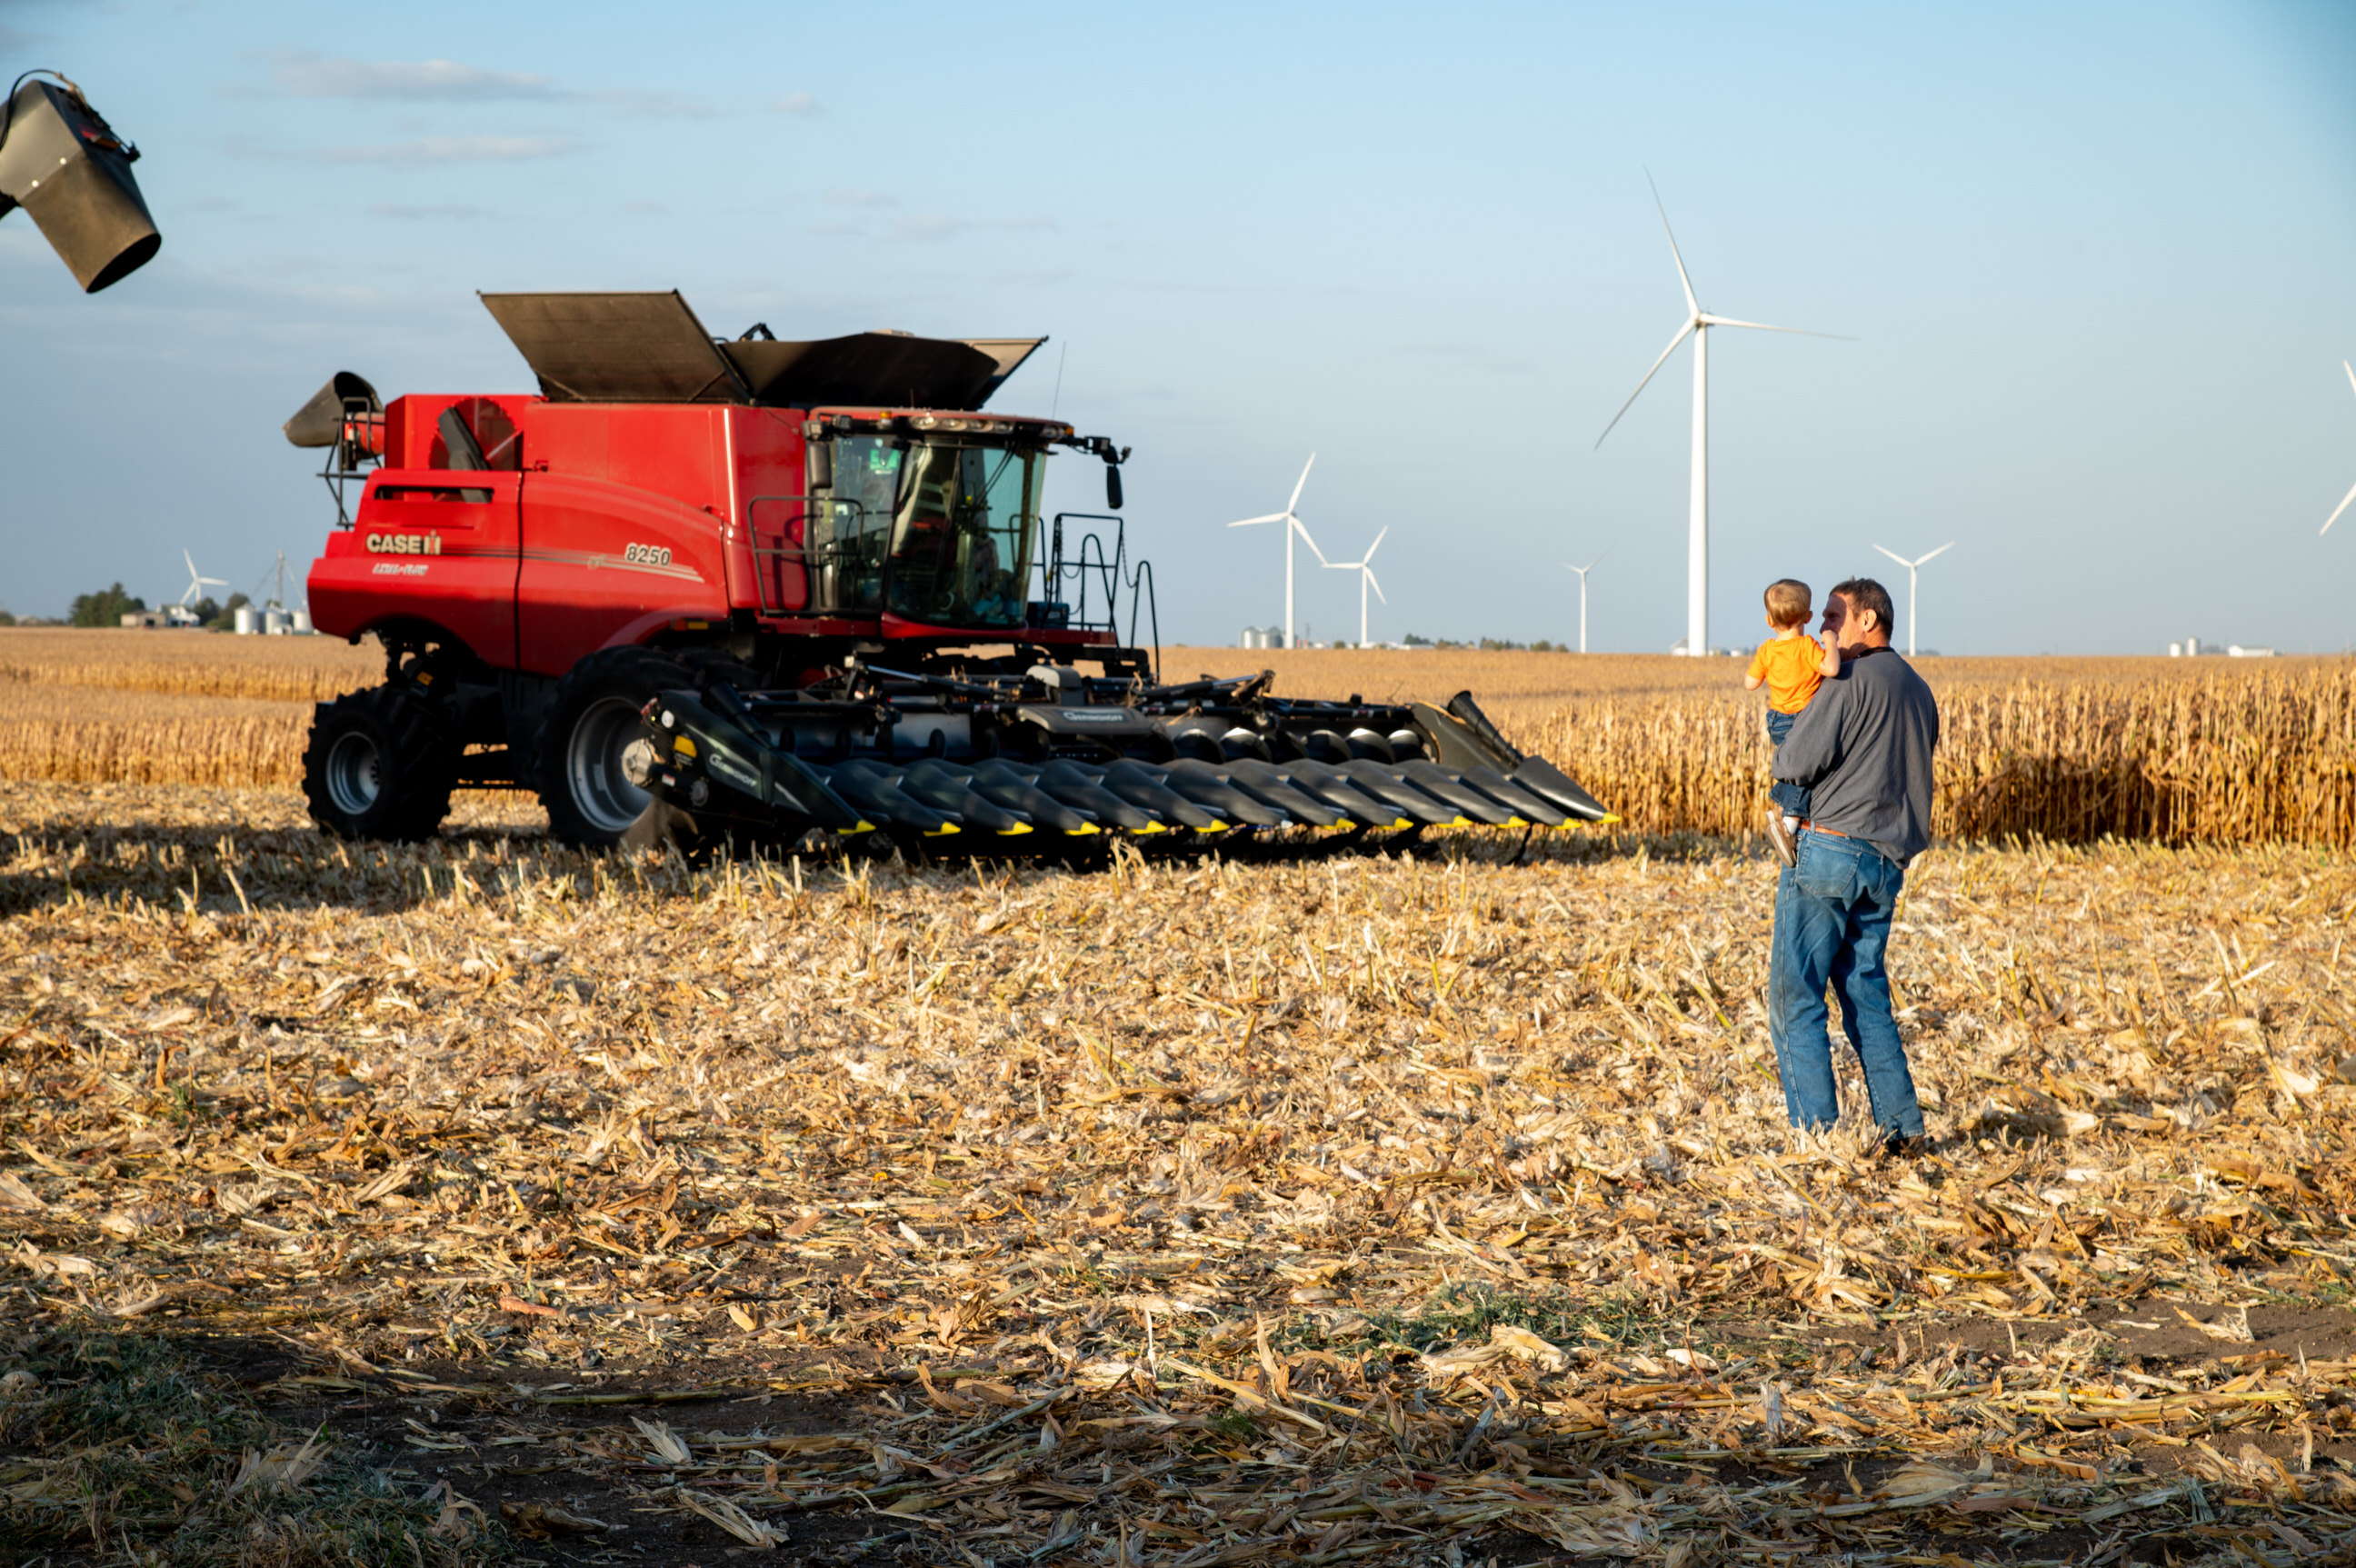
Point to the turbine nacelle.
(198, 583)
(1696, 325)
(1911, 567)
(1291, 518)
(1366, 579)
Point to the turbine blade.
(191, 561)
(1692, 304)
(2327, 521)
(1344, 565)
(1378, 544)
(1303, 529)
(1271, 517)
(1895, 556)
(1376, 584)
(1949, 545)
(1656, 371)
(1300, 483)
(2351, 372)
(1763, 326)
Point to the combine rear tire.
(379, 765)
(586, 740)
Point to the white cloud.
(443, 210)
(300, 73)
(799, 104)
(929, 226)
(638, 104)
(426, 151)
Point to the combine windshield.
(934, 531)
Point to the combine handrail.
(1143, 598)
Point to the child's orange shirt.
(1793, 668)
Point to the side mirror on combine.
(1112, 486)
(61, 163)
(821, 465)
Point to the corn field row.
(2234, 756)
(2233, 759)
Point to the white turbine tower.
(1698, 324)
(1911, 567)
(1293, 525)
(1365, 571)
(2350, 496)
(196, 583)
(1582, 571)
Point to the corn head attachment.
(1011, 765)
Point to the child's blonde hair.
(1788, 602)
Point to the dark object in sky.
(63, 163)
(328, 418)
(649, 348)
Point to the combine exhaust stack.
(63, 163)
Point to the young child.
(1791, 665)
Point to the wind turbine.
(1582, 571)
(1293, 525)
(1365, 571)
(196, 583)
(2350, 496)
(1911, 567)
(1698, 324)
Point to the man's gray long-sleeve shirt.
(1862, 747)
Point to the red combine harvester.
(703, 588)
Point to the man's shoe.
(1906, 1146)
(1778, 833)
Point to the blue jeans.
(1832, 924)
(1793, 797)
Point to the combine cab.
(758, 589)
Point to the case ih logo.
(404, 543)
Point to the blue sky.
(2094, 261)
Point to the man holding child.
(1861, 749)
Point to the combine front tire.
(586, 741)
(379, 766)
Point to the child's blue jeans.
(1792, 798)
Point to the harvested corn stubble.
(1203, 1213)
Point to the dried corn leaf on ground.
(1358, 1210)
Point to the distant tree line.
(1495, 643)
(109, 605)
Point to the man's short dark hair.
(1864, 593)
